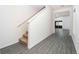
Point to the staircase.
(24, 39)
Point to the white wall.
(41, 27)
(8, 30)
(71, 20)
(66, 22)
(76, 28)
(10, 18)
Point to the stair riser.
(24, 39)
(25, 36)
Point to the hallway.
(54, 44)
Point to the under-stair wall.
(40, 27)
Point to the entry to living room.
(63, 21)
(60, 26)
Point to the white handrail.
(31, 16)
(34, 17)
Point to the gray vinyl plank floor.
(58, 43)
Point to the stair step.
(23, 40)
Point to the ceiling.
(56, 7)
